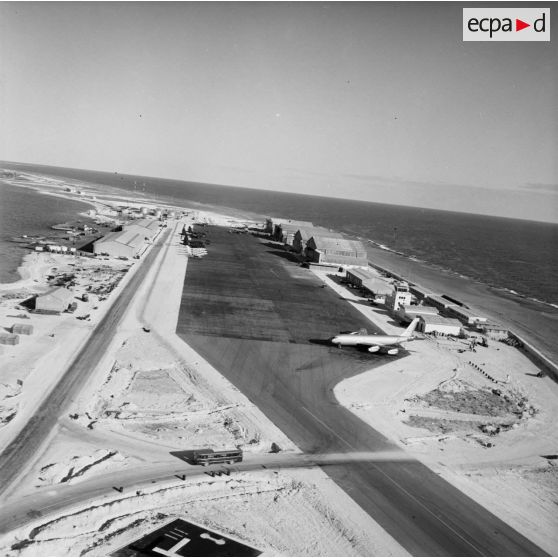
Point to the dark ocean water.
(515, 255)
(26, 211)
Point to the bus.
(209, 457)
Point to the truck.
(209, 456)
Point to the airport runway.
(23, 448)
(258, 318)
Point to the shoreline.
(535, 321)
(157, 315)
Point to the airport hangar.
(129, 242)
(335, 251)
(304, 234)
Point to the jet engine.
(374, 349)
(392, 351)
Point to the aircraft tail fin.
(410, 330)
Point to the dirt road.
(15, 457)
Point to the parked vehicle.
(209, 457)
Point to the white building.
(400, 296)
(127, 243)
(468, 317)
(439, 324)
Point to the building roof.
(377, 286)
(362, 274)
(494, 326)
(290, 222)
(128, 237)
(440, 320)
(307, 232)
(329, 244)
(26, 329)
(442, 301)
(466, 312)
(58, 293)
(148, 224)
(420, 310)
(422, 291)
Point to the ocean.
(26, 211)
(516, 255)
(506, 267)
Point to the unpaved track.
(23, 448)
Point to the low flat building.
(357, 276)
(377, 286)
(127, 243)
(9, 339)
(407, 314)
(335, 251)
(439, 324)
(439, 302)
(55, 301)
(494, 330)
(466, 316)
(420, 292)
(22, 329)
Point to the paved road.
(252, 313)
(23, 448)
(51, 499)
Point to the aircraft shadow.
(324, 342)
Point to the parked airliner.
(375, 343)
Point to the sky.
(372, 101)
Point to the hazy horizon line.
(348, 198)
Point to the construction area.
(59, 298)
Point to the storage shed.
(494, 330)
(54, 301)
(439, 324)
(336, 251)
(22, 329)
(9, 339)
(468, 317)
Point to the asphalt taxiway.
(262, 321)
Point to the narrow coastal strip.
(535, 354)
